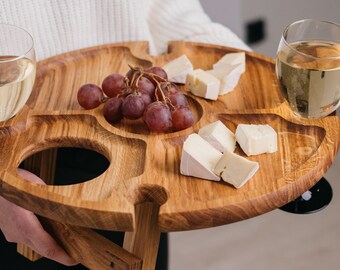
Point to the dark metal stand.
(313, 200)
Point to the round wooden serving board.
(144, 166)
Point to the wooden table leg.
(144, 240)
(90, 248)
(42, 164)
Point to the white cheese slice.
(232, 59)
(234, 169)
(256, 139)
(203, 84)
(219, 136)
(178, 69)
(199, 158)
(229, 77)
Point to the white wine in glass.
(308, 67)
(17, 70)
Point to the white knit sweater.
(59, 26)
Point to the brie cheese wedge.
(219, 136)
(232, 59)
(229, 77)
(234, 169)
(256, 139)
(199, 158)
(178, 69)
(203, 84)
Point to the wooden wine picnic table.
(142, 191)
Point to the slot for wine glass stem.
(66, 165)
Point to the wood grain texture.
(28, 253)
(144, 240)
(91, 249)
(145, 165)
(43, 165)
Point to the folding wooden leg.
(90, 248)
(144, 240)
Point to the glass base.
(313, 200)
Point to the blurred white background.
(276, 15)
(276, 240)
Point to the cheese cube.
(219, 136)
(229, 77)
(234, 169)
(232, 59)
(256, 139)
(203, 84)
(178, 69)
(199, 158)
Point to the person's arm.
(21, 226)
(186, 20)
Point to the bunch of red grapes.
(145, 93)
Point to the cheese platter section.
(202, 155)
(238, 132)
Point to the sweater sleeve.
(186, 20)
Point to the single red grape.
(145, 86)
(133, 106)
(157, 117)
(113, 84)
(178, 99)
(182, 118)
(90, 96)
(147, 99)
(167, 89)
(113, 109)
(160, 73)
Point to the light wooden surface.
(306, 147)
(144, 166)
(91, 249)
(144, 240)
(42, 164)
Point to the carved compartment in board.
(145, 166)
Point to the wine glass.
(308, 67)
(308, 71)
(17, 69)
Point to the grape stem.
(133, 85)
(166, 100)
(104, 99)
